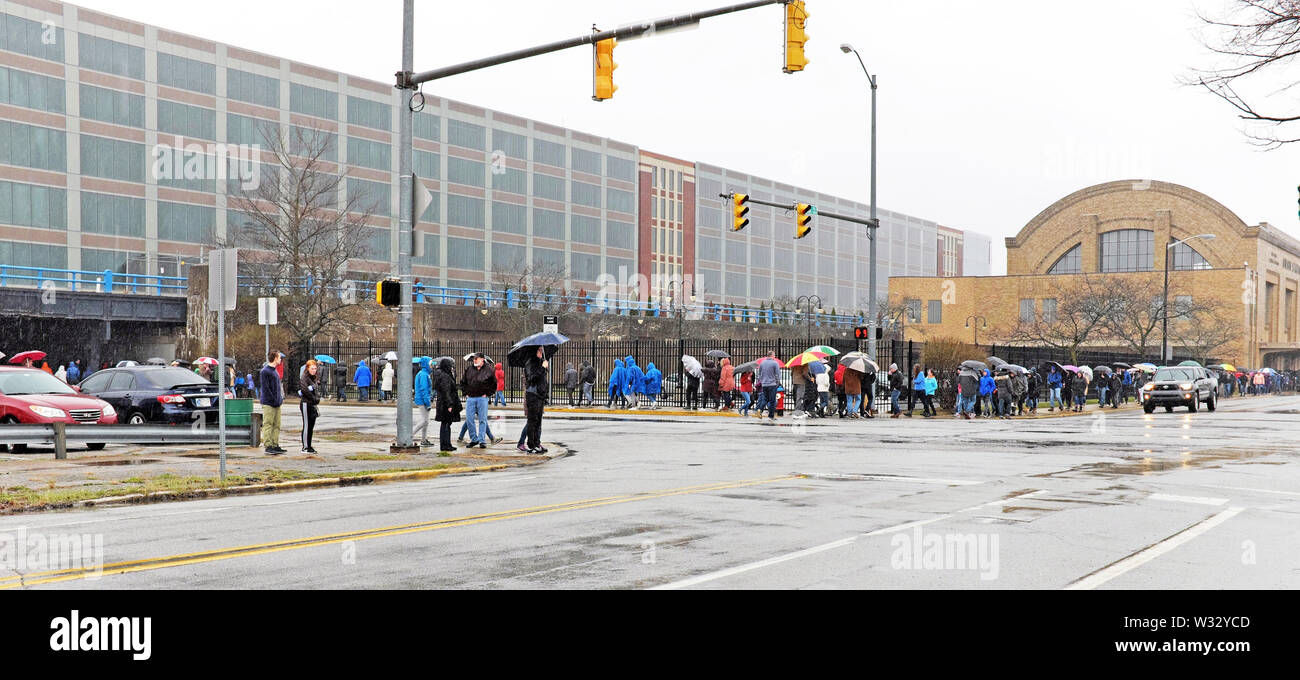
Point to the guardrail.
(91, 281)
(59, 435)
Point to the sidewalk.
(554, 408)
(157, 473)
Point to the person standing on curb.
(746, 384)
(633, 382)
(424, 400)
(769, 378)
(268, 385)
(535, 396)
(616, 383)
(1054, 382)
(896, 385)
(386, 382)
(1079, 387)
(479, 380)
(340, 382)
(499, 370)
(823, 381)
(726, 383)
(449, 406)
(918, 389)
(588, 374)
(653, 384)
(308, 400)
(362, 379)
(571, 382)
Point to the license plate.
(203, 402)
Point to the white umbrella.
(692, 366)
(391, 356)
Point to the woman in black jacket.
(712, 374)
(308, 399)
(448, 407)
(536, 392)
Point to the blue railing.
(78, 280)
(590, 304)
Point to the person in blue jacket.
(653, 383)
(987, 386)
(1054, 382)
(635, 381)
(362, 379)
(423, 399)
(617, 380)
(918, 389)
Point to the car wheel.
(95, 447)
(1212, 403)
(1169, 409)
(1194, 405)
(1149, 408)
(17, 448)
(136, 418)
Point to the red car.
(29, 395)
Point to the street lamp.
(979, 320)
(1166, 352)
(875, 223)
(808, 314)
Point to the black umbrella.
(230, 361)
(974, 365)
(155, 361)
(995, 361)
(1047, 365)
(1104, 370)
(747, 367)
(1121, 364)
(527, 348)
(717, 354)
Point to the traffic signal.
(803, 219)
(604, 68)
(796, 16)
(389, 293)
(739, 209)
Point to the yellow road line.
(11, 582)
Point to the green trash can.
(239, 412)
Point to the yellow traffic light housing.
(389, 292)
(803, 219)
(739, 210)
(796, 17)
(604, 87)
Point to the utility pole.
(406, 228)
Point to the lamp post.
(976, 328)
(1166, 352)
(875, 223)
(808, 314)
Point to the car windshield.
(172, 377)
(14, 383)
(1175, 374)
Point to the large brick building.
(1250, 273)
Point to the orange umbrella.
(805, 358)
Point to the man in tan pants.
(268, 382)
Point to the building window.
(185, 120)
(549, 153)
(109, 56)
(1049, 310)
(913, 308)
(26, 36)
(1069, 263)
(30, 205)
(186, 74)
(620, 168)
(585, 161)
(369, 113)
(253, 88)
(467, 172)
(509, 218)
(374, 155)
(31, 90)
(1026, 310)
(427, 126)
(366, 196)
(305, 141)
(313, 101)
(1185, 257)
(548, 187)
(619, 200)
(620, 235)
(1127, 250)
(1182, 305)
(511, 180)
(548, 223)
(464, 253)
(111, 106)
(427, 164)
(464, 211)
(935, 312)
(467, 135)
(111, 159)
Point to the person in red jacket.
(838, 387)
(500, 396)
(746, 382)
(726, 383)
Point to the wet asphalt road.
(1171, 500)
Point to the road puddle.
(1148, 465)
(126, 461)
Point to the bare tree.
(297, 239)
(1205, 330)
(1082, 305)
(1136, 315)
(537, 288)
(1251, 36)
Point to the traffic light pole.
(870, 222)
(406, 225)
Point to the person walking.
(837, 386)
(823, 381)
(308, 400)
(571, 382)
(478, 381)
(423, 400)
(1003, 395)
(62, 373)
(1079, 388)
(499, 371)
(535, 396)
(985, 408)
(653, 384)
(769, 379)
(712, 374)
(362, 379)
(968, 386)
(692, 391)
(386, 381)
(896, 385)
(588, 375)
(746, 386)
(616, 384)
(340, 382)
(918, 389)
(1054, 384)
(1103, 390)
(448, 402)
(929, 386)
(799, 381)
(726, 383)
(852, 381)
(268, 387)
(633, 381)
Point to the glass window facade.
(25, 36)
(427, 164)
(32, 205)
(1127, 250)
(511, 180)
(465, 211)
(186, 74)
(313, 101)
(1069, 263)
(112, 159)
(548, 187)
(467, 172)
(621, 201)
(110, 56)
(112, 215)
(368, 154)
(548, 223)
(369, 113)
(305, 141)
(464, 253)
(186, 120)
(586, 161)
(427, 126)
(586, 194)
(368, 196)
(550, 153)
(467, 135)
(509, 218)
(253, 88)
(31, 90)
(185, 223)
(1185, 257)
(33, 255)
(510, 144)
(32, 146)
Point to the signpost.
(267, 316)
(550, 324)
(222, 281)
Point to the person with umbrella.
(968, 386)
(852, 380)
(535, 395)
(984, 407)
(712, 374)
(386, 381)
(1055, 381)
(837, 384)
(617, 380)
(694, 373)
(1079, 389)
(448, 402)
(745, 383)
(1033, 385)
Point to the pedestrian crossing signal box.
(389, 293)
(864, 333)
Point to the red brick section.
(644, 245)
(688, 233)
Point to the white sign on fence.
(550, 324)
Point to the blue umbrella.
(816, 368)
(520, 353)
(326, 359)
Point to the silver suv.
(1172, 386)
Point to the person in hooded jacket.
(634, 379)
(499, 371)
(968, 387)
(536, 393)
(1055, 381)
(987, 385)
(726, 383)
(1079, 387)
(1002, 394)
(1033, 385)
(424, 400)
(823, 381)
(588, 376)
(617, 380)
(386, 377)
(362, 379)
(653, 384)
(692, 391)
(896, 384)
(571, 381)
(837, 387)
(746, 385)
(918, 389)
(712, 374)
(448, 402)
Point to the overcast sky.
(989, 111)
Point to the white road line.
(1244, 488)
(732, 571)
(835, 476)
(1141, 557)
(1200, 500)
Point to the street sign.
(423, 199)
(550, 324)
(267, 311)
(222, 279)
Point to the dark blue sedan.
(155, 394)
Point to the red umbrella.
(779, 363)
(206, 360)
(33, 354)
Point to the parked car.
(32, 396)
(1172, 386)
(155, 394)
